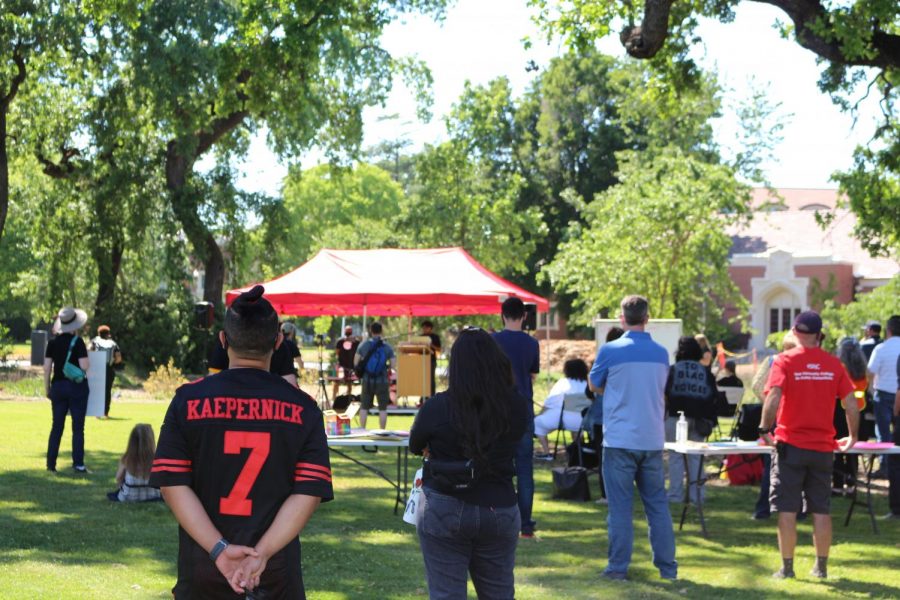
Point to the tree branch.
(64, 168)
(806, 13)
(17, 79)
(646, 39)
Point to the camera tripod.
(321, 390)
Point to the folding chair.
(733, 396)
(573, 404)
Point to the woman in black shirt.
(469, 519)
(66, 395)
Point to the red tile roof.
(795, 231)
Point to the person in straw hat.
(67, 389)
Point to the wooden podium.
(414, 369)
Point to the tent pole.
(364, 321)
(547, 337)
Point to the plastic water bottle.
(681, 429)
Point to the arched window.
(782, 307)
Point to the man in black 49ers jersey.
(242, 461)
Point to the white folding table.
(371, 443)
(703, 450)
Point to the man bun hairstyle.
(251, 324)
(513, 309)
(635, 309)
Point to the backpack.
(377, 363)
(363, 368)
(108, 349)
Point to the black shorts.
(798, 472)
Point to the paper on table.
(873, 445)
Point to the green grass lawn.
(61, 538)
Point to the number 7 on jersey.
(237, 502)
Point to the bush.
(164, 380)
(848, 320)
(152, 329)
(6, 345)
(773, 340)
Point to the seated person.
(730, 379)
(574, 381)
(133, 475)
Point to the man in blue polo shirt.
(631, 373)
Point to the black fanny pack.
(450, 476)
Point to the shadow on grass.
(66, 516)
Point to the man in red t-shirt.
(800, 392)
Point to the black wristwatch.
(766, 431)
(218, 549)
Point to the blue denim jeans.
(457, 537)
(676, 463)
(525, 478)
(622, 469)
(67, 397)
(883, 409)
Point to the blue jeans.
(621, 470)
(883, 409)
(67, 397)
(457, 537)
(676, 463)
(525, 478)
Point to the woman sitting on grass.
(468, 519)
(574, 381)
(133, 475)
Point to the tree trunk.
(4, 173)
(184, 203)
(109, 263)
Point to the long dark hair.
(480, 387)
(853, 358)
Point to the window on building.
(554, 320)
(782, 319)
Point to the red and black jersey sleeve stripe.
(171, 465)
(312, 472)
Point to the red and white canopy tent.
(391, 282)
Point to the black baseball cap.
(808, 321)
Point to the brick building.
(784, 262)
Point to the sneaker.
(613, 576)
(782, 574)
(603, 501)
(889, 516)
(816, 572)
(546, 456)
(81, 469)
(51, 469)
(527, 536)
